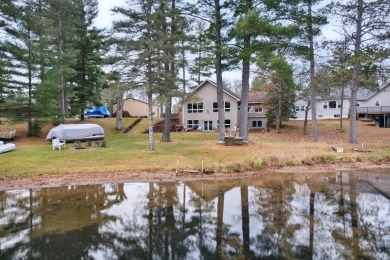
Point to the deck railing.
(374, 110)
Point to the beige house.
(201, 112)
(137, 108)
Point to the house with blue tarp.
(97, 112)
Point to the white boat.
(6, 147)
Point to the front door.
(207, 125)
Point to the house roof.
(137, 100)
(226, 90)
(369, 94)
(257, 97)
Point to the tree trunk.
(218, 71)
(306, 115)
(166, 137)
(245, 220)
(279, 112)
(150, 121)
(353, 136)
(311, 224)
(312, 73)
(30, 131)
(245, 82)
(61, 69)
(119, 113)
(219, 231)
(341, 109)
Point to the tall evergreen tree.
(306, 15)
(216, 13)
(61, 16)
(22, 49)
(280, 88)
(201, 67)
(369, 37)
(137, 43)
(9, 13)
(87, 43)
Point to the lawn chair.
(57, 143)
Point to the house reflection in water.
(336, 216)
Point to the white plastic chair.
(57, 144)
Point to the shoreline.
(51, 181)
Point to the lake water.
(340, 215)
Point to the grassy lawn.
(129, 152)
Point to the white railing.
(373, 110)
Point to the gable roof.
(257, 97)
(225, 90)
(371, 94)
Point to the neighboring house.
(369, 104)
(327, 108)
(137, 108)
(377, 106)
(201, 112)
(256, 111)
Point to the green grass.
(129, 153)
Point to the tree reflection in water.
(335, 216)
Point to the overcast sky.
(105, 16)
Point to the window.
(302, 108)
(192, 123)
(336, 115)
(215, 107)
(227, 106)
(227, 123)
(194, 107)
(255, 109)
(378, 103)
(257, 124)
(332, 104)
(299, 108)
(358, 104)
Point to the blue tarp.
(98, 111)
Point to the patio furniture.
(57, 144)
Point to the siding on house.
(368, 102)
(137, 108)
(326, 108)
(380, 98)
(256, 111)
(202, 113)
(205, 115)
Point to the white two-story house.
(369, 103)
(201, 111)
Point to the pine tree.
(61, 26)
(280, 88)
(203, 62)
(137, 44)
(21, 47)
(87, 43)
(369, 39)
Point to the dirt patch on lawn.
(46, 181)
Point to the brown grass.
(129, 152)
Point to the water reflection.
(336, 216)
